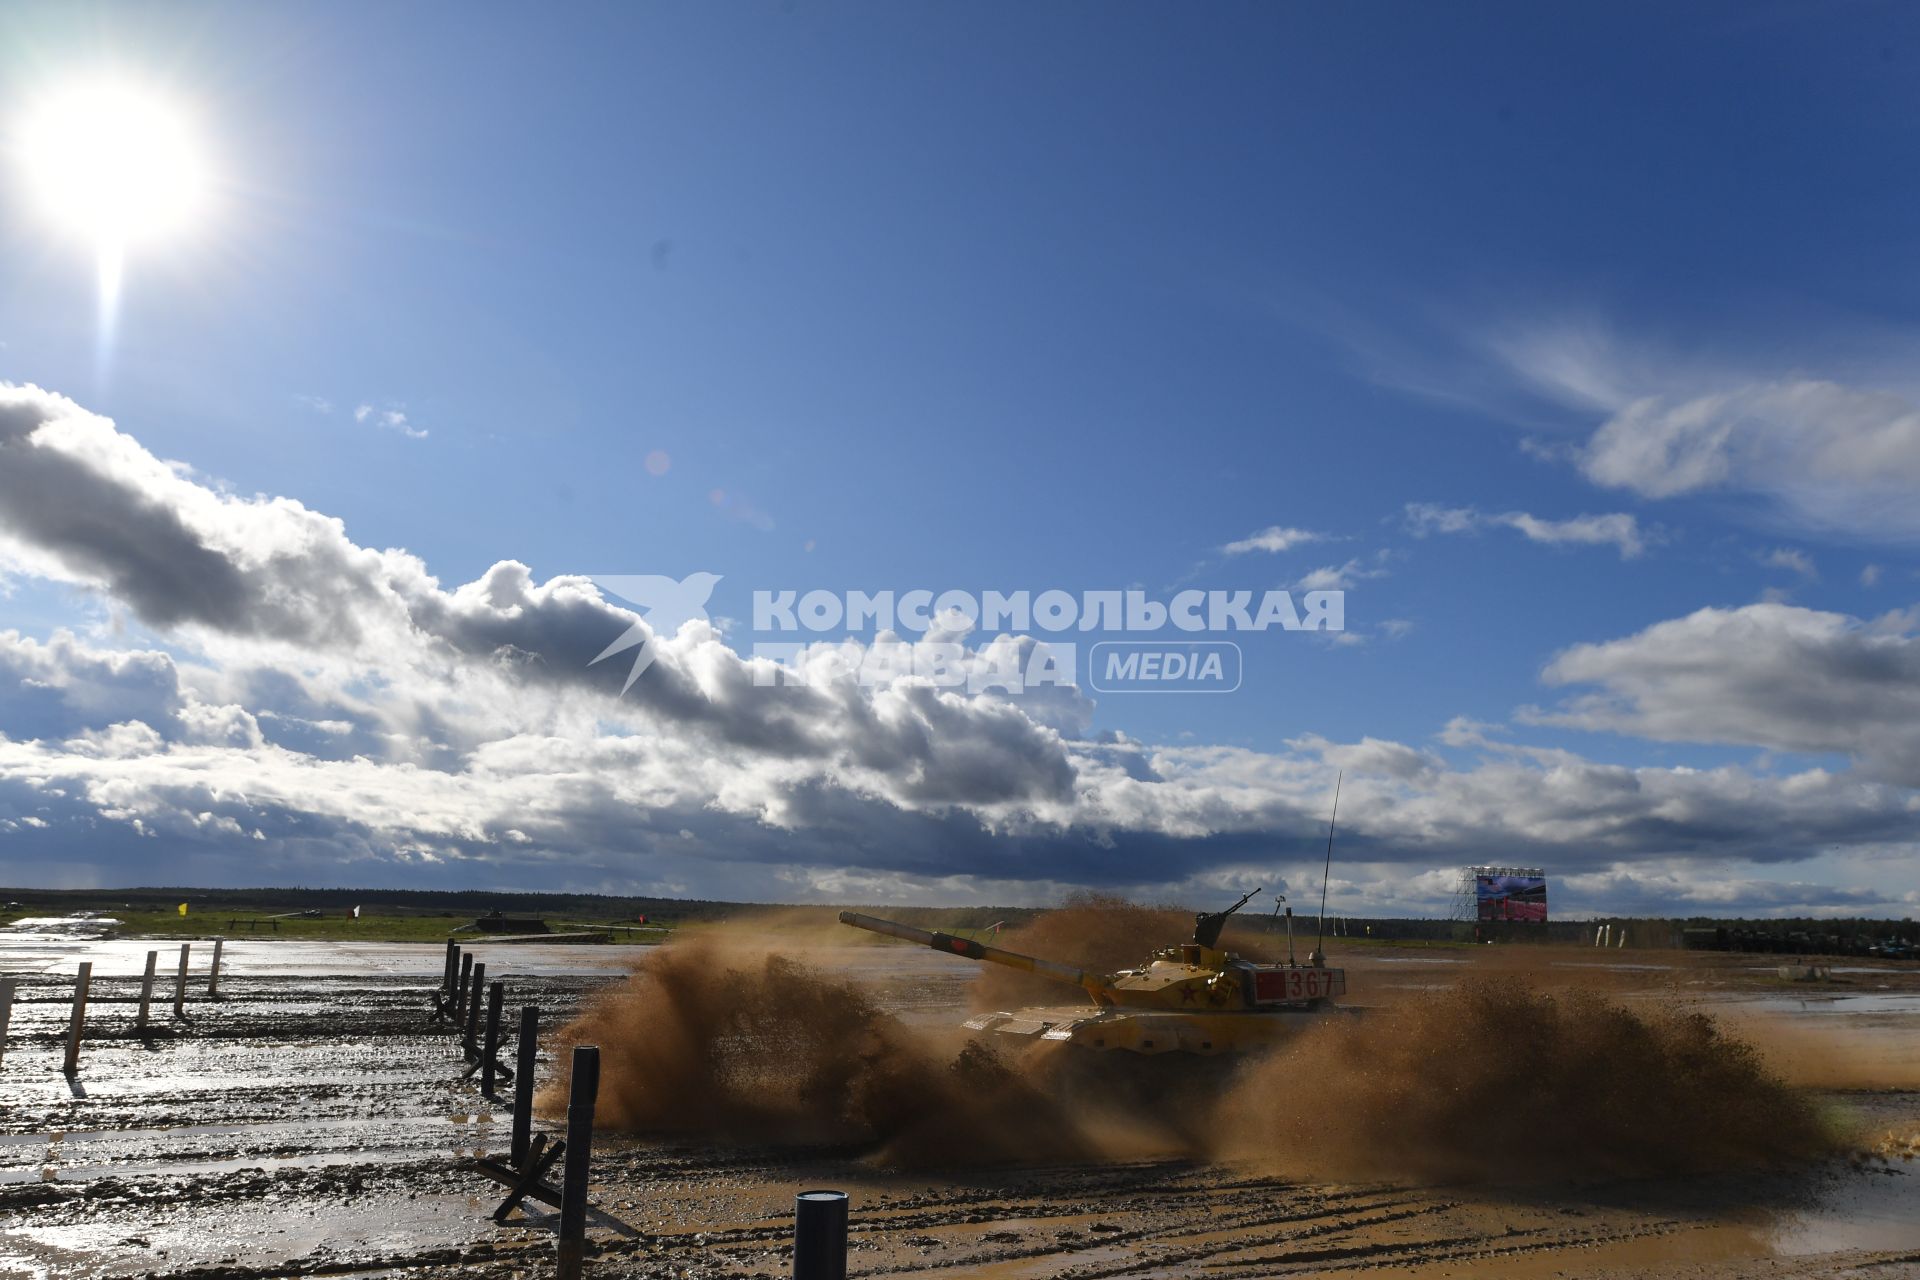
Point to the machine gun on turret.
(1208, 924)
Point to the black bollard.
(496, 996)
(820, 1235)
(579, 1159)
(528, 1047)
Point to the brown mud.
(1457, 1086)
(312, 1122)
(1497, 1080)
(727, 1043)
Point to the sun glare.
(113, 165)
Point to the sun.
(113, 164)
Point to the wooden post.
(472, 1037)
(460, 989)
(180, 983)
(496, 996)
(146, 991)
(6, 1011)
(579, 1158)
(213, 975)
(525, 1051)
(451, 974)
(81, 982)
(820, 1235)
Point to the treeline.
(473, 903)
(1852, 936)
(435, 902)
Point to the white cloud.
(1828, 454)
(1273, 538)
(330, 712)
(392, 418)
(1870, 576)
(1617, 529)
(1805, 439)
(1768, 675)
(1341, 577)
(1792, 560)
(395, 420)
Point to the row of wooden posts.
(820, 1217)
(529, 1156)
(83, 984)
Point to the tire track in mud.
(1163, 1251)
(1174, 1228)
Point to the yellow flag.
(183, 908)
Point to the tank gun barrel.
(1094, 984)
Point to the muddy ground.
(312, 1122)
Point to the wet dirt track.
(311, 1122)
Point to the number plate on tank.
(1282, 986)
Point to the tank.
(1191, 998)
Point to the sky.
(1576, 347)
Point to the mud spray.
(1501, 1080)
(1484, 1081)
(762, 1048)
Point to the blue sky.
(1009, 297)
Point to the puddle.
(83, 926)
(1874, 1210)
(358, 1156)
(1839, 1003)
(1615, 966)
(70, 1156)
(250, 1235)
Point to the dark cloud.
(327, 713)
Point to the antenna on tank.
(1319, 956)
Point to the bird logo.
(666, 605)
